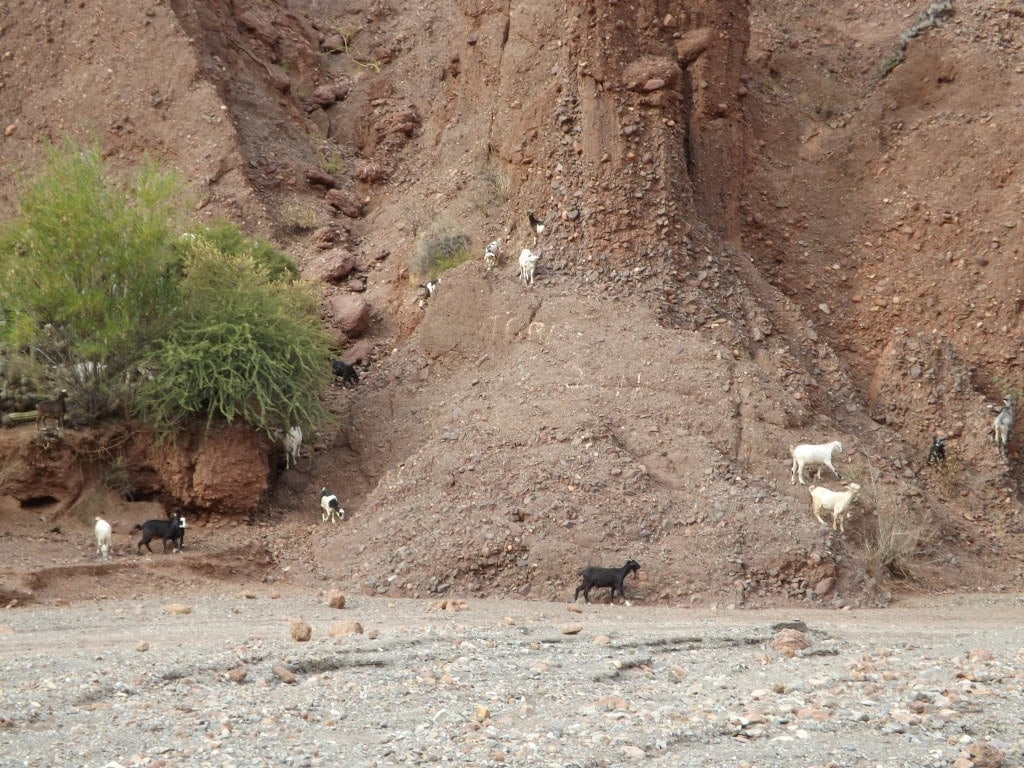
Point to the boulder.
(351, 314)
(331, 266)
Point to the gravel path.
(117, 683)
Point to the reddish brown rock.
(331, 266)
(647, 70)
(351, 314)
(690, 46)
(345, 202)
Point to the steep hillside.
(761, 231)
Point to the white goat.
(491, 254)
(804, 455)
(836, 501)
(527, 264)
(331, 506)
(425, 291)
(292, 445)
(103, 536)
(1002, 425)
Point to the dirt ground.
(765, 227)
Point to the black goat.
(172, 530)
(937, 450)
(605, 577)
(345, 372)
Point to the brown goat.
(51, 409)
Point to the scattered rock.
(571, 629)
(284, 674)
(790, 641)
(351, 314)
(345, 628)
(177, 608)
(300, 631)
(237, 675)
(336, 599)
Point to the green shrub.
(441, 247)
(247, 347)
(95, 272)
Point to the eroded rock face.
(225, 471)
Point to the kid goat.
(1002, 425)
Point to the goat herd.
(527, 262)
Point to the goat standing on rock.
(1002, 425)
(613, 578)
(803, 455)
(838, 502)
(51, 409)
(330, 505)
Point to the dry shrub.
(900, 542)
(441, 247)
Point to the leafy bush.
(440, 248)
(85, 267)
(101, 295)
(247, 347)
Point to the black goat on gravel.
(605, 577)
(345, 372)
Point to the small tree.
(247, 347)
(85, 269)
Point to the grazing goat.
(331, 506)
(345, 372)
(172, 530)
(491, 254)
(527, 265)
(937, 450)
(614, 578)
(425, 292)
(804, 455)
(292, 441)
(51, 409)
(836, 501)
(1002, 425)
(103, 536)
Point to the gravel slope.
(935, 682)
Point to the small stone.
(237, 675)
(480, 712)
(300, 631)
(824, 586)
(345, 628)
(142, 647)
(336, 599)
(284, 674)
(571, 629)
(177, 608)
(602, 640)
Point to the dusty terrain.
(761, 232)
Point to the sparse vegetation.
(899, 543)
(441, 247)
(299, 214)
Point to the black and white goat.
(491, 254)
(172, 531)
(537, 225)
(425, 292)
(614, 578)
(937, 450)
(331, 507)
(345, 372)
